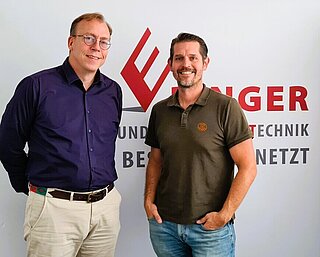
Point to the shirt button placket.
(184, 119)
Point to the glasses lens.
(105, 44)
(89, 40)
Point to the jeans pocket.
(219, 242)
(219, 231)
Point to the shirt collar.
(72, 77)
(202, 100)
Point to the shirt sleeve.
(151, 138)
(236, 126)
(15, 131)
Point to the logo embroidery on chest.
(202, 127)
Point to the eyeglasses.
(90, 40)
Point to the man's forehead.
(187, 48)
(187, 45)
(93, 27)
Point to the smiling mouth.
(186, 72)
(93, 57)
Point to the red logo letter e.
(135, 78)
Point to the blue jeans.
(175, 240)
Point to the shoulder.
(39, 78)
(50, 72)
(164, 103)
(109, 82)
(217, 98)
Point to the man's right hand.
(152, 212)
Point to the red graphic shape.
(135, 78)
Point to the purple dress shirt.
(70, 133)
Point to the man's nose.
(96, 46)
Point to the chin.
(185, 84)
(94, 67)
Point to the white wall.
(259, 43)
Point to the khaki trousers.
(62, 228)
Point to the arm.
(14, 133)
(12, 154)
(244, 157)
(152, 178)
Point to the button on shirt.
(70, 132)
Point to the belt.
(71, 196)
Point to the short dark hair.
(187, 37)
(88, 17)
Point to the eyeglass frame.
(95, 40)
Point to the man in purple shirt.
(69, 117)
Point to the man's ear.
(169, 63)
(70, 42)
(206, 63)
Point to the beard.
(185, 84)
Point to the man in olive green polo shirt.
(196, 136)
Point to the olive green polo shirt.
(197, 169)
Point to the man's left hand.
(212, 221)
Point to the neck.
(87, 81)
(87, 77)
(188, 96)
